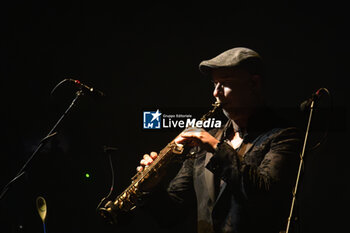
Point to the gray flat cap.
(237, 57)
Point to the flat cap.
(236, 57)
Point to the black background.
(144, 57)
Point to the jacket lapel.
(209, 177)
(241, 153)
(244, 148)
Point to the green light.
(87, 175)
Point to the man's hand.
(149, 184)
(147, 160)
(190, 137)
(198, 137)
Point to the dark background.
(144, 57)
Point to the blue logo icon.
(151, 120)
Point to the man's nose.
(217, 90)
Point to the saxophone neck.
(216, 106)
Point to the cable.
(108, 150)
(58, 84)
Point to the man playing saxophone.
(242, 175)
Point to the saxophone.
(128, 199)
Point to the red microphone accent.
(318, 91)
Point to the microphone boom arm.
(43, 141)
(295, 189)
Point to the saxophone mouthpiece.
(217, 103)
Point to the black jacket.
(254, 190)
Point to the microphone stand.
(41, 144)
(300, 166)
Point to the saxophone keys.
(124, 195)
(178, 149)
(135, 176)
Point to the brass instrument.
(128, 199)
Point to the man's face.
(236, 90)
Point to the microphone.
(41, 207)
(315, 96)
(90, 90)
(42, 210)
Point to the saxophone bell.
(109, 213)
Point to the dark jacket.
(250, 193)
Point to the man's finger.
(180, 139)
(192, 134)
(144, 162)
(153, 155)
